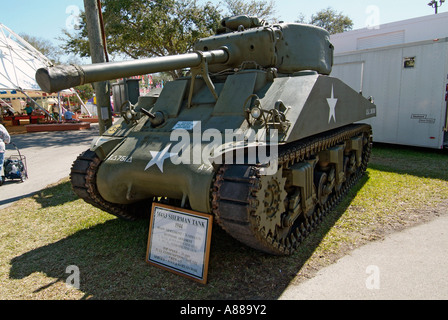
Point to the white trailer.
(404, 67)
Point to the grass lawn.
(41, 236)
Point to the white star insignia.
(159, 158)
(332, 104)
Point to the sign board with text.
(179, 241)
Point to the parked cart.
(15, 167)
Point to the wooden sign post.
(179, 241)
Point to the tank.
(257, 134)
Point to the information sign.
(179, 241)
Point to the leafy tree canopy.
(332, 21)
(261, 9)
(44, 47)
(151, 28)
(142, 28)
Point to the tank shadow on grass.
(55, 196)
(52, 196)
(111, 260)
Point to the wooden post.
(102, 89)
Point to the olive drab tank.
(296, 145)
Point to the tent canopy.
(18, 62)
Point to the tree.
(261, 9)
(85, 91)
(141, 28)
(45, 47)
(332, 21)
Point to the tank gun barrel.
(57, 78)
(289, 48)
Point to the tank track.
(238, 194)
(83, 179)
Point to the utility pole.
(436, 5)
(97, 52)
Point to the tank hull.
(149, 162)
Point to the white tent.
(18, 62)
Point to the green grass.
(44, 234)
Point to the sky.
(46, 18)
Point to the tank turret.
(257, 134)
(287, 47)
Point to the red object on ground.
(57, 127)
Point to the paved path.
(408, 265)
(49, 157)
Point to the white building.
(404, 67)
